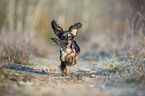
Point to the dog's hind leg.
(63, 68)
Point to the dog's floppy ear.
(56, 28)
(74, 28)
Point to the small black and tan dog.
(69, 49)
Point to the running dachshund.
(69, 49)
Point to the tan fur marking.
(77, 54)
(69, 35)
(59, 29)
(65, 72)
(76, 59)
(71, 54)
(63, 58)
(69, 42)
(63, 35)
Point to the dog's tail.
(55, 40)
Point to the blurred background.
(112, 43)
(109, 26)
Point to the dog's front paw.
(63, 74)
(63, 58)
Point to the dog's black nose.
(66, 43)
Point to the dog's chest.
(66, 51)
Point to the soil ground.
(43, 78)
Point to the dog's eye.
(62, 37)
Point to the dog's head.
(65, 37)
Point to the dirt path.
(43, 78)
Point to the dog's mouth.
(66, 44)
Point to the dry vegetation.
(14, 48)
(17, 30)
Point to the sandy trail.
(48, 81)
